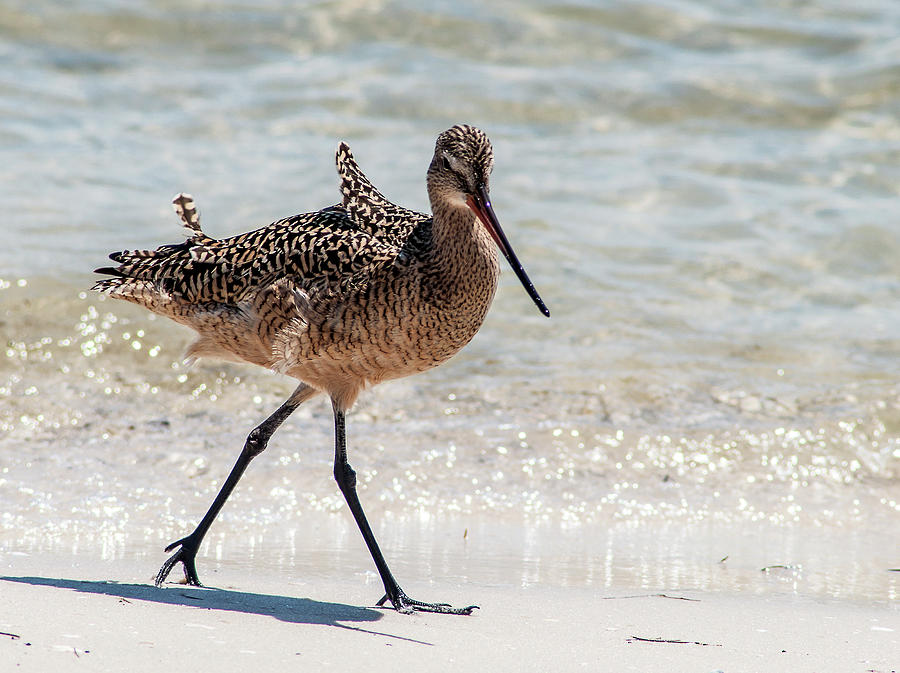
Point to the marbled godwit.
(347, 297)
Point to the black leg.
(256, 443)
(346, 479)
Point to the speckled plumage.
(339, 299)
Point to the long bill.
(481, 206)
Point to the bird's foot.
(186, 554)
(406, 605)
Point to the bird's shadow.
(284, 608)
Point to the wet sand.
(78, 613)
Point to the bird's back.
(323, 248)
(338, 247)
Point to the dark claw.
(185, 555)
(406, 605)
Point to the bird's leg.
(346, 479)
(255, 444)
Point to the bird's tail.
(143, 276)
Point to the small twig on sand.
(673, 642)
(674, 598)
(14, 636)
(779, 566)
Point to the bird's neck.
(464, 259)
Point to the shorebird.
(340, 299)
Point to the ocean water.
(704, 193)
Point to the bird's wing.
(370, 211)
(323, 249)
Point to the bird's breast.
(403, 321)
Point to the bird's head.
(458, 178)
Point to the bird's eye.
(445, 162)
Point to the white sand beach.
(79, 614)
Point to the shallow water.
(704, 194)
